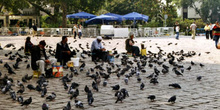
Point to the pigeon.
(78, 104)
(95, 86)
(172, 99)
(51, 97)
(189, 68)
(201, 65)
(13, 95)
(154, 80)
(105, 83)
(30, 87)
(20, 99)
(175, 85)
(28, 66)
(9, 45)
(139, 79)
(116, 87)
(68, 106)
(27, 102)
(199, 78)
(86, 89)
(192, 63)
(151, 97)
(90, 98)
(45, 106)
(21, 90)
(177, 72)
(43, 92)
(126, 80)
(142, 86)
(74, 94)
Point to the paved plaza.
(193, 95)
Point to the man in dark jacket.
(63, 52)
(39, 57)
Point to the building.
(26, 19)
(188, 13)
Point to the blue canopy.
(135, 16)
(120, 18)
(101, 19)
(81, 15)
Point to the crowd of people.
(212, 31)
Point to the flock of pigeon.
(100, 74)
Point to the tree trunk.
(64, 8)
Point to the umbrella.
(101, 19)
(81, 15)
(120, 18)
(135, 16)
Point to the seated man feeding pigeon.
(39, 57)
(63, 52)
(98, 51)
(129, 45)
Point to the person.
(187, 31)
(193, 30)
(207, 31)
(34, 30)
(28, 46)
(63, 52)
(39, 58)
(210, 32)
(177, 31)
(216, 33)
(80, 31)
(129, 45)
(74, 30)
(98, 51)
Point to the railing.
(86, 32)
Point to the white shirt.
(211, 26)
(79, 29)
(177, 29)
(193, 26)
(96, 45)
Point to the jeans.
(177, 35)
(216, 39)
(80, 34)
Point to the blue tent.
(101, 19)
(120, 18)
(135, 16)
(81, 15)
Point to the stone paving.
(194, 95)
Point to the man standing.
(39, 57)
(98, 50)
(74, 30)
(193, 30)
(177, 31)
(216, 33)
(34, 30)
(211, 27)
(63, 53)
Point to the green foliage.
(208, 10)
(46, 22)
(187, 22)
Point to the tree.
(155, 9)
(208, 10)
